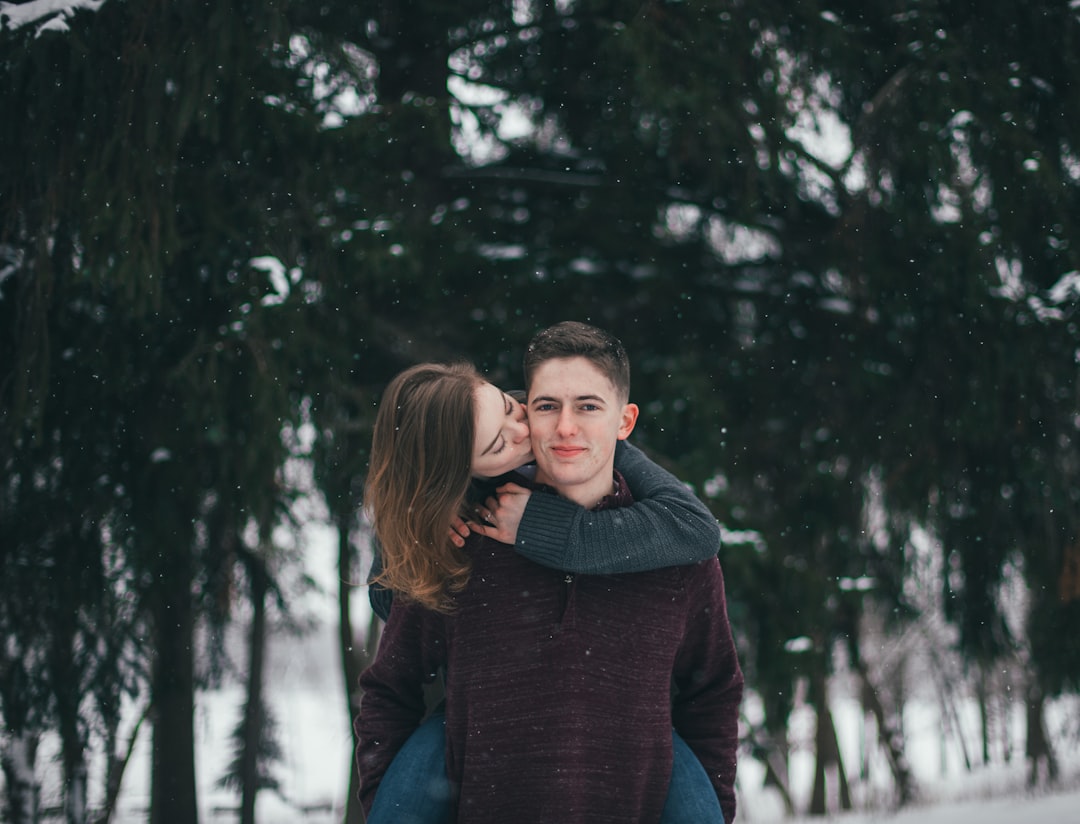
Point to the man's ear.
(629, 418)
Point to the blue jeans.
(415, 789)
(691, 797)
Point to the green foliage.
(836, 239)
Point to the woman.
(441, 431)
(424, 458)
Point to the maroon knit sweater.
(559, 688)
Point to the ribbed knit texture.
(559, 692)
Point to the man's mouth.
(567, 451)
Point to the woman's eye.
(502, 446)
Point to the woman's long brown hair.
(421, 459)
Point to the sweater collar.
(620, 494)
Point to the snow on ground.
(307, 696)
(306, 693)
(1060, 808)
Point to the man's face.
(576, 416)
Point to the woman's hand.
(501, 513)
(459, 531)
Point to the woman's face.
(502, 433)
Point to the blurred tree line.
(838, 240)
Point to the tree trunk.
(949, 714)
(828, 761)
(890, 735)
(172, 782)
(1041, 761)
(983, 697)
(774, 777)
(115, 766)
(253, 708)
(17, 757)
(772, 750)
(67, 695)
(353, 658)
(75, 811)
(838, 761)
(1006, 709)
(818, 804)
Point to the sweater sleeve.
(411, 650)
(709, 682)
(667, 526)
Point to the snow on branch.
(50, 15)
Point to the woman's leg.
(415, 789)
(691, 796)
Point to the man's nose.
(566, 423)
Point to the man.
(558, 687)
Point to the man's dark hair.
(571, 339)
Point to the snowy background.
(306, 694)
